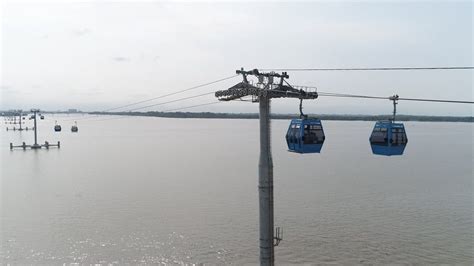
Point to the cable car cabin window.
(293, 133)
(318, 131)
(289, 134)
(399, 136)
(297, 133)
(379, 136)
(313, 134)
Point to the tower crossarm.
(237, 91)
(284, 91)
(243, 89)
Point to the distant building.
(72, 111)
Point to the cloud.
(5, 88)
(139, 95)
(121, 59)
(81, 32)
(91, 92)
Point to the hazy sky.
(94, 55)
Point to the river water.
(183, 191)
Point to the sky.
(95, 55)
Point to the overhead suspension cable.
(333, 94)
(172, 101)
(372, 68)
(159, 97)
(347, 95)
(192, 106)
(329, 94)
(173, 93)
(169, 110)
(435, 100)
(389, 98)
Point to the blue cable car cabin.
(388, 138)
(57, 128)
(305, 136)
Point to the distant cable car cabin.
(57, 128)
(389, 138)
(305, 135)
(42, 117)
(74, 127)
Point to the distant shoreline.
(209, 115)
(467, 119)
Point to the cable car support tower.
(263, 92)
(46, 144)
(20, 115)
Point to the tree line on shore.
(291, 116)
(279, 116)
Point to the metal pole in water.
(36, 137)
(20, 121)
(265, 185)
